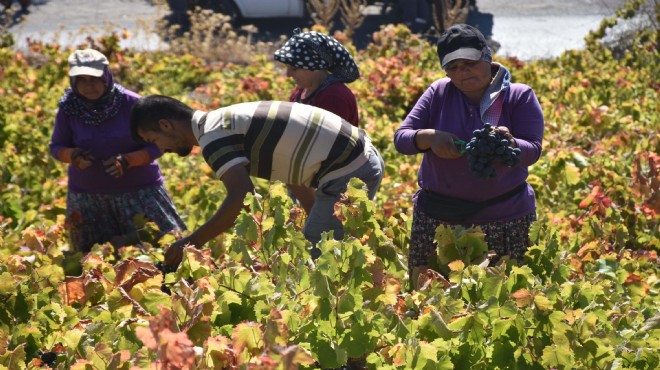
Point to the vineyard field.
(586, 296)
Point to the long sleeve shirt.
(444, 107)
(336, 98)
(104, 141)
(295, 143)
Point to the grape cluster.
(165, 269)
(486, 146)
(48, 358)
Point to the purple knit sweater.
(104, 141)
(443, 107)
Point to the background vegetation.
(586, 298)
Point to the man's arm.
(304, 195)
(238, 184)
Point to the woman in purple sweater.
(476, 91)
(111, 177)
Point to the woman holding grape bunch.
(482, 183)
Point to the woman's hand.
(81, 159)
(441, 143)
(115, 166)
(503, 130)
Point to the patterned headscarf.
(97, 111)
(317, 51)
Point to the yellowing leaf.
(523, 297)
(392, 289)
(131, 272)
(572, 173)
(557, 357)
(542, 303)
(398, 354)
(247, 336)
(428, 351)
(457, 265)
(572, 315)
(293, 356)
(219, 354)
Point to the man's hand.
(304, 195)
(237, 182)
(174, 254)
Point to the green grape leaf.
(557, 357)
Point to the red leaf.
(178, 350)
(174, 349)
(73, 290)
(586, 202)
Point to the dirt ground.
(528, 29)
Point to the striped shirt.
(294, 143)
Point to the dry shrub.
(450, 12)
(352, 14)
(322, 11)
(213, 38)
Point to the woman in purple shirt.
(476, 91)
(111, 177)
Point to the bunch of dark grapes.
(487, 146)
(165, 269)
(48, 358)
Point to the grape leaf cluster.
(487, 146)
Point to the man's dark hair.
(150, 109)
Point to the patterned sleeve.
(224, 149)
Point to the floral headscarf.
(317, 51)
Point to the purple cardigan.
(443, 107)
(110, 138)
